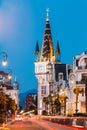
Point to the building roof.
(2, 73)
(60, 68)
(8, 87)
(57, 48)
(37, 52)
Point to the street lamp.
(9, 74)
(4, 61)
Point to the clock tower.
(45, 61)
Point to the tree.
(3, 106)
(11, 105)
(50, 100)
(3, 101)
(6, 104)
(57, 105)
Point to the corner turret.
(58, 54)
(15, 84)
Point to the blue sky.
(22, 23)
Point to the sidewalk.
(6, 124)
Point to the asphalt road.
(23, 125)
(31, 124)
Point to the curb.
(77, 127)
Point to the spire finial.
(47, 11)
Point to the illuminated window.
(60, 75)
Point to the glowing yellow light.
(4, 62)
(9, 76)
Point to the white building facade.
(50, 73)
(68, 82)
(8, 88)
(78, 80)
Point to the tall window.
(43, 90)
(50, 88)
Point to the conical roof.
(15, 84)
(57, 48)
(47, 52)
(37, 49)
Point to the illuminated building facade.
(78, 83)
(49, 72)
(8, 88)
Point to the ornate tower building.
(47, 66)
(44, 65)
